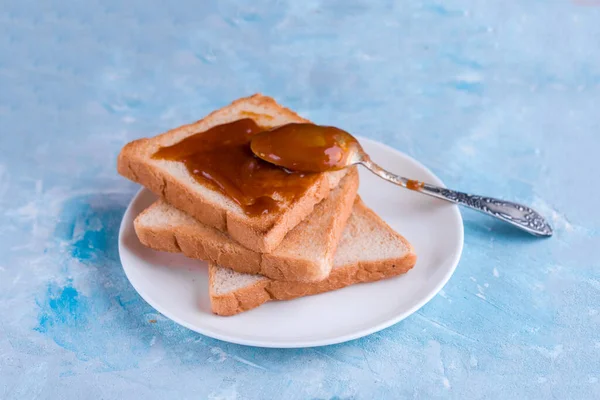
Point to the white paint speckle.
(446, 383)
(551, 354)
(467, 149)
(558, 220)
(469, 77)
(94, 224)
(592, 312)
(480, 292)
(3, 180)
(434, 356)
(542, 379)
(473, 361)
(250, 363)
(115, 75)
(218, 355)
(472, 278)
(496, 273)
(27, 212)
(592, 379)
(595, 283)
(365, 57)
(538, 286)
(226, 393)
(532, 329)
(168, 114)
(486, 285)
(445, 296)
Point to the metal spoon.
(308, 147)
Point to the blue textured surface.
(497, 97)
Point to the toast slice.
(171, 180)
(305, 254)
(369, 251)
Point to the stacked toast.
(323, 240)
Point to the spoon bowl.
(307, 147)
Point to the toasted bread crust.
(265, 290)
(261, 234)
(210, 245)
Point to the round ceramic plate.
(178, 287)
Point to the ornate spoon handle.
(516, 214)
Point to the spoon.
(313, 148)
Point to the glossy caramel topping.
(414, 185)
(221, 159)
(250, 114)
(305, 147)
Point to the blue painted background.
(497, 97)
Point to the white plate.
(178, 287)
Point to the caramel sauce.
(221, 159)
(414, 185)
(305, 147)
(254, 115)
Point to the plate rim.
(308, 343)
